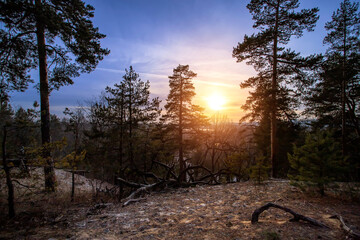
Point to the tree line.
(302, 112)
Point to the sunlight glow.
(216, 101)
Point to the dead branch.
(297, 217)
(148, 175)
(131, 184)
(170, 169)
(214, 175)
(133, 197)
(23, 185)
(195, 167)
(130, 201)
(351, 232)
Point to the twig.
(351, 232)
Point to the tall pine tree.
(29, 39)
(277, 67)
(343, 38)
(182, 116)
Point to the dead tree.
(297, 217)
(170, 180)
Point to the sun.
(216, 101)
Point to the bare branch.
(297, 217)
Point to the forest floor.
(201, 212)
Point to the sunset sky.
(155, 36)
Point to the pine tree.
(140, 109)
(28, 41)
(121, 125)
(6, 117)
(260, 171)
(131, 108)
(116, 110)
(279, 69)
(343, 38)
(318, 162)
(182, 116)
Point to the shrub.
(318, 162)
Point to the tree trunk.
(121, 150)
(74, 162)
(343, 92)
(273, 141)
(72, 185)
(8, 177)
(50, 180)
(213, 158)
(182, 177)
(131, 156)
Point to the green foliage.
(179, 106)
(290, 69)
(69, 21)
(238, 163)
(260, 171)
(343, 29)
(280, 70)
(72, 160)
(318, 162)
(182, 116)
(123, 131)
(36, 156)
(334, 98)
(340, 66)
(38, 32)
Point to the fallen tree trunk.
(351, 232)
(297, 217)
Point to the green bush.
(260, 171)
(318, 162)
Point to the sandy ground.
(202, 212)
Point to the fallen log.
(297, 217)
(351, 232)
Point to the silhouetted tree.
(139, 108)
(343, 38)
(28, 40)
(182, 116)
(122, 124)
(277, 67)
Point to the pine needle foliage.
(318, 162)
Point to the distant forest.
(302, 112)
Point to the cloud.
(212, 60)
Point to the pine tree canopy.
(72, 42)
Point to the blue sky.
(154, 36)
